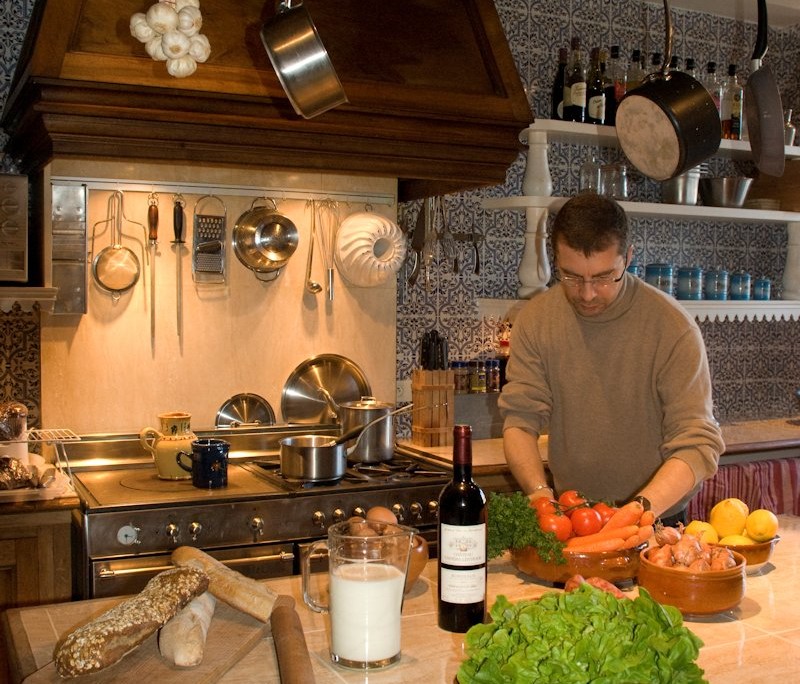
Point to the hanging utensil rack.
(57, 437)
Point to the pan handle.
(668, 34)
(761, 35)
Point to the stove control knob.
(257, 527)
(195, 528)
(338, 515)
(416, 511)
(128, 535)
(360, 511)
(433, 507)
(400, 512)
(318, 519)
(173, 532)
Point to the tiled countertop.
(757, 642)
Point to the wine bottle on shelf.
(656, 63)
(575, 84)
(690, 68)
(595, 93)
(614, 85)
(557, 110)
(712, 84)
(462, 542)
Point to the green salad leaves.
(512, 524)
(579, 637)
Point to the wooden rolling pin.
(294, 661)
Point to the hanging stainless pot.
(300, 60)
(378, 444)
(263, 240)
(670, 123)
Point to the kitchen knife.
(177, 227)
(152, 236)
(417, 244)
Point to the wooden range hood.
(434, 96)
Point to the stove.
(130, 520)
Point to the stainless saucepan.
(320, 458)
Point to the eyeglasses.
(599, 282)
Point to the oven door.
(128, 575)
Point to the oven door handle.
(104, 572)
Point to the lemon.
(705, 531)
(761, 525)
(736, 540)
(729, 516)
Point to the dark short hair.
(591, 223)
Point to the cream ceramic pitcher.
(176, 435)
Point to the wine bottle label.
(597, 107)
(462, 546)
(578, 94)
(462, 586)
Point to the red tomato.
(570, 500)
(544, 506)
(556, 523)
(604, 510)
(585, 521)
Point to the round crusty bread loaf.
(109, 637)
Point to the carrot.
(648, 518)
(609, 544)
(629, 514)
(642, 535)
(620, 533)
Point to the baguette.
(240, 592)
(182, 640)
(109, 637)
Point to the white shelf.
(606, 136)
(706, 310)
(26, 297)
(648, 209)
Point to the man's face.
(588, 282)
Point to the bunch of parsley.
(512, 524)
(580, 637)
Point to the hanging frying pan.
(669, 124)
(763, 107)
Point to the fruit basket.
(615, 566)
(756, 554)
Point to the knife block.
(433, 395)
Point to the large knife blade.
(152, 236)
(418, 243)
(177, 227)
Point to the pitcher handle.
(147, 438)
(306, 568)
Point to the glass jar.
(716, 285)
(477, 377)
(460, 376)
(493, 375)
(690, 282)
(589, 180)
(661, 276)
(740, 286)
(762, 288)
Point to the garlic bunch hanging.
(170, 31)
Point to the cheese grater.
(208, 244)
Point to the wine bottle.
(558, 86)
(595, 93)
(575, 84)
(731, 113)
(713, 85)
(462, 542)
(614, 85)
(635, 74)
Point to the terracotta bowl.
(756, 555)
(694, 593)
(417, 561)
(614, 566)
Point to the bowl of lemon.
(732, 524)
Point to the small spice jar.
(477, 377)
(460, 376)
(762, 288)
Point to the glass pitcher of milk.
(367, 565)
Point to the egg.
(381, 514)
(359, 527)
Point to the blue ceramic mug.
(209, 467)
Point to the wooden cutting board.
(231, 635)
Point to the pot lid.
(318, 386)
(245, 409)
(366, 403)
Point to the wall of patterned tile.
(20, 367)
(744, 388)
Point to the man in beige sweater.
(614, 371)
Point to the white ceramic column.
(534, 268)
(791, 271)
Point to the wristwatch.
(644, 501)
